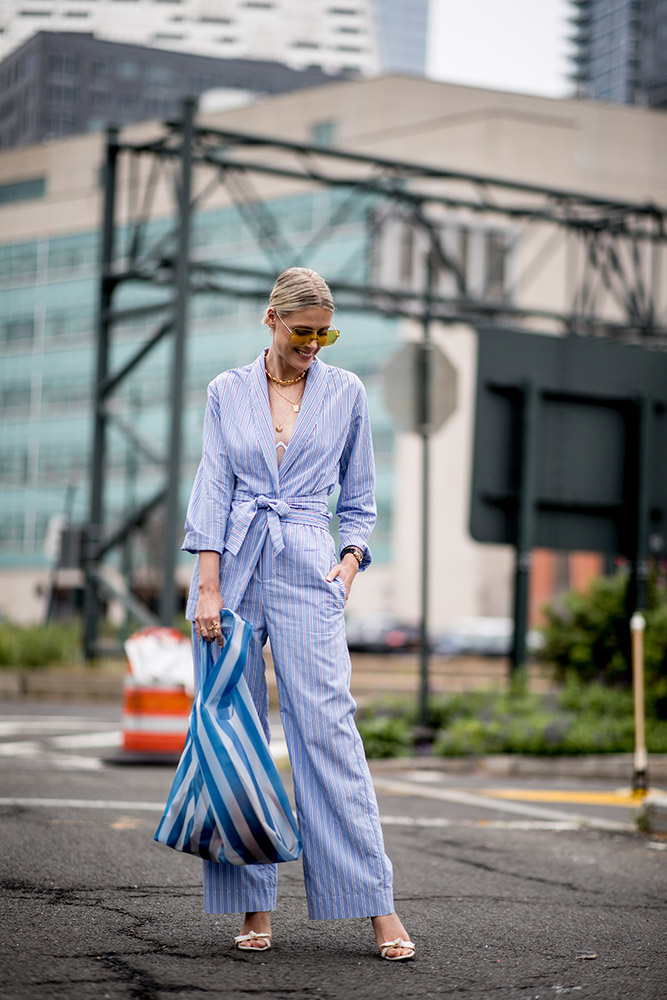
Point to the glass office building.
(621, 51)
(48, 292)
(402, 30)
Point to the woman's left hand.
(346, 570)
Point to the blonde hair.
(298, 288)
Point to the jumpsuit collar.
(310, 405)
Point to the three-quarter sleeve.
(210, 501)
(356, 508)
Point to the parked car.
(482, 637)
(380, 633)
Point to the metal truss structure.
(605, 263)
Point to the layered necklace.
(284, 381)
(296, 405)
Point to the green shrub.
(589, 638)
(580, 719)
(39, 645)
(386, 736)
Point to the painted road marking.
(623, 797)
(20, 725)
(123, 806)
(47, 750)
(397, 787)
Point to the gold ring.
(214, 626)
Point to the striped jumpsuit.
(270, 524)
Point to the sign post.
(419, 388)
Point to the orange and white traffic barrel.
(157, 696)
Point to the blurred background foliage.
(587, 642)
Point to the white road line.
(21, 748)
(491, 824)
(398, 787)
(434, 822)
(114, 804)
(25, 725)
(110, 738)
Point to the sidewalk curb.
(613, 767)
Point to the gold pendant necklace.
(296, 407)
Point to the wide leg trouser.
(346, 870)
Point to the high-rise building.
(402, 29)
(621, 51)
(58, 84)
(333, 35)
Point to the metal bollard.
(639, 777)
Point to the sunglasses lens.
(324, 338)
(302, 337)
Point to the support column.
(173, 521)
(97, 460)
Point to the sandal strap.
(398, 943)
(252, 936)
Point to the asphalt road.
(529, 890)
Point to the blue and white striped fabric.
(241, 494)
(227, 802)
(270, 523)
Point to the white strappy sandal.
(252, 936)
(398, 943)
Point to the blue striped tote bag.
(227, 802)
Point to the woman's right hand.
(207, 615)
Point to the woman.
(279, 436)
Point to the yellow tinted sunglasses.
(300, 336)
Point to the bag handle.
(235, 646)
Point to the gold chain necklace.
(284, 381)
(295, 406)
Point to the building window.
(100, 69)
(494, 265)
(15, 395)
(61, 93)
(18, 261)
(34, 13)
(407, 254)
(59, 125)
(12, 531)
(462, 251)
(128, 102)
(74, 253)
(62, 64)
(22, 190)
(127, 70)
(305, 45)
(65, 391)
(21, 328)
(14, 465)
(68, 323)
(323, 133)
(162, 76)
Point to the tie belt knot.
(280, 507)
(245, 507)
